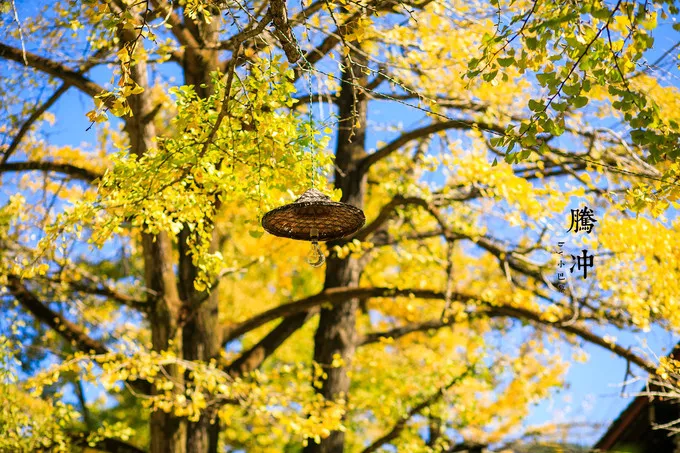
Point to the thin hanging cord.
(316, 257)
(312, 148)
(308, 68)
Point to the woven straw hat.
(314, 217)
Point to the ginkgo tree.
(147, 311)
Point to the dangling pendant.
(315, 257)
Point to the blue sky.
(594, 392)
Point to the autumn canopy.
(145, 309)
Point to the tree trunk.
(167, 431)
(202, 342)
(201, 329)
(336, 333)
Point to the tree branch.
(513, 258)
(340, 295)
(295, 20)
(583, 333)
(383, 216)
(67, 169)
(183, 35)
(507, 311)
(458, 193)
(333, 296)
(68, 330)
(80, 392)
(279, 13)
(385, 240)
(402, 331)
(108, 444)
(26, 126)
(105, 291)
(52, 68)
(386, 213)
(37, 113)
(230, 70)
(433, 128)
(65, 328)
(415, 410)
(251, 359)
(332, 39)
(303, 16)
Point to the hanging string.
(315, 257)
(310, 115)
(308, 68)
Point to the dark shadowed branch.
(67, 169)
(68, 330)
(433, 128)
(108, 444)
(497, 309)
(52, 68)
(251, 359)
(33, 117)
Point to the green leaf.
(586, 64)
(489, 76)
(553, 127)
(586, 85)
(545, 78)
(505, 62)
(536, 106)
(524, 154)
(580, 101)
(601, 13)
(531, 43)
(559, 106)
(637, 136)
(529, 141)
(571, 90)
(496, 141)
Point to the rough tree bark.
(175, 314)
(336, 333)
(168, 432)
(200, 326)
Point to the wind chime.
(314, 216)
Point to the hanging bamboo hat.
(314, 217)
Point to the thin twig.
(21, 32)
